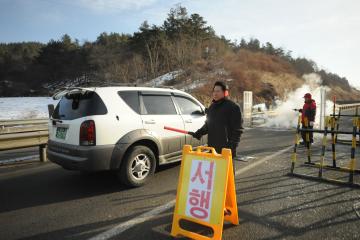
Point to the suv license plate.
(61, 132)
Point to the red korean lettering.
(199, 212)
(194, 198)
(210, 175)
(205, 199)
(198, 174)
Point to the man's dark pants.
(233, 153)
(311, 135)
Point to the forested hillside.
(184, 45)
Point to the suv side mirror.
(51, 109)
(198, 112)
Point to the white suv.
(122, 129)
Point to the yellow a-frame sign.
(206, 192)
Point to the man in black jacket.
(223, 122)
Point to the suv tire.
(137, 167)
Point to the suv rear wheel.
(137, 166)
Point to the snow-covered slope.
(161, 80)
(25, 107)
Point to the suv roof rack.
(111, 84)
(171, 87)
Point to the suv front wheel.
(137, 166)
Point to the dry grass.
(267, 76)
(247, 60)
(283, 82)
(343, 94)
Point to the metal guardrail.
(15, 134)
(18, 126)
(348, 106)
(22, 140)
(259, 117)
(8, 123)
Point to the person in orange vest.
(308, 111)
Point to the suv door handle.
(149, 122)
(188, 121)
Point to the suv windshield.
(77, 105)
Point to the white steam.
(285, 116)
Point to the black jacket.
(223, 125)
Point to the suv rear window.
(78, 105)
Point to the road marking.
(140, 219)
(19, 159)
(244, 158)
(250, 166)
(120, 228)
(357, 209)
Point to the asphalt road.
(43, 201)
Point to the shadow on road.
(52, 186)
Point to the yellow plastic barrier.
(206, 192)
(351, 169)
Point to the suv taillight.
(87, 133)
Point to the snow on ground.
(260, 107)
(195, 84)
(25, 107)
(161, 80)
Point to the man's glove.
(194, 135)
(300, 110)
(311, 123)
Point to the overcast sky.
(327, 31)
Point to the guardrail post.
(323, 148)
(42, 153)
(337, 125)
(322, 107)
(297, 139)
(307, 140)
(333, 140)
(353, 148)
(247, 108)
